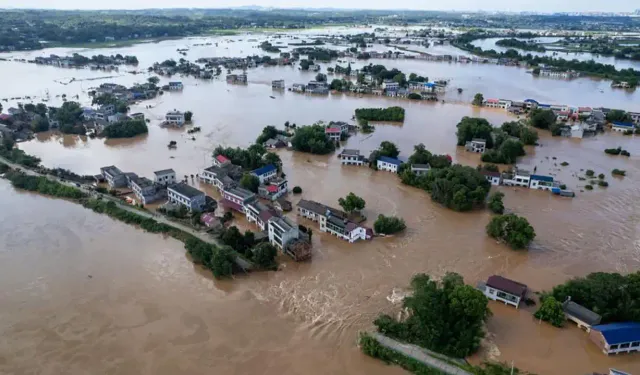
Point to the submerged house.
(187, 196)
(538, 182)
(616, 338)
(476, 145)
(114, 176)
(582, 316)
(501, 289)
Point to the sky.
(458, 5)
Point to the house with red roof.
(491, 103)
(221, 161)
(273, 189)
(333, 133)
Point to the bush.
(588, 187)
(394, 114)
(250, 182)
(297, 190)
(618, 172)
(126, 129)
(603, 183)
(625, 153)
(43, 185)
(415, 96)
(514, 230)
(312, 139)
(564, 164)
(563, 187)
(264, 255)
(389, 225)
(601, 176)
(589, 173)
(551, 311)
(495, 203)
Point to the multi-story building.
(187, 196)
(333, 133)
(510, 292)
(282, 231)
(539, 182)
(266, 173)
(274, 189)
(385, 163)
(176, 86)
(221, 161)
(114, 176)
(165, 177)
(519, 177)
(331, 220)
(144, 189)
(493, 177)
(622, 126)
(237, 198)
(277, 84)
(351, 157)
(259, 214)
(390, 85)
(174, 118)
(476, 145)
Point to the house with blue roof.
(539, 182)
(616, 338)
(266, 173)
(621, 126)
(531, 103)
(385, 163)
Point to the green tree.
(40, 124)
(297, 190)
(618, 116)
(474, 127)
(495, 203)
(250, 182)
(395, 114)
(514, 230)
(446, 317)
(389, 224)
(126, 129)
(336, 84)
(478, 99)
(388, 149)
(221, 263)
(542, 118)
(153, 80)
(352, 203)
(312, 139)
(264, 255)
(321, 77)
(188, 115)
(551, 311)
(234, 239)
(273, 158)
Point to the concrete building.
(273, 189)
(519, 177)
(476, 145)
(333, 133)
(174, 118)
(187, 196)
(420, 169)
(221, 161)
(266, 173)
(616, 338)
(510, 292)
(491, 103)
(388, 164)
(282, 231)
(493, 177)
(277, 84)
(622, 126)
(351, 157)
(176, 86)
(259, 214)
(582, 316)
(165, 177)
(237, 199)
(390, 85)
(114, 177)
(345, 229)
(539, 182)
(144, 189)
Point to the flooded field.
(83, 293)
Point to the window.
(613, 347)
(635, 344)
(622, 346)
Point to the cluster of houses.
(105, 62)
(313, 87)
(558, 73)
(98, 120)
(148, 191)
(184, 67)
(333, 221)
(612, 338)
(237, 78)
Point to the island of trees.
(312, 139)
(392, 114)
(520, 44)
(126, 129)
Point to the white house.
(277, 84)
(388, 164)
(390, 85)
(175, 86)
(539, 182)
(333, 133)
(622, 126)
(165, 177)
(493, 177)
(504, 103)
(187, 196)
(273, 189)
(491, 103)
(351, 157)
(259, 214)
(174, 118)
(476, 145)
(518, 178)
(266, 173)
(420, 169)
(614, 338)
(510, 292)
(282, 231)
(237, 199)
(345, 229)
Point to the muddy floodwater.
(85, 294)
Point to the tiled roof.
(272, 188)
(493, 101)
(111, 170)
(264, 170)
(233, 205)
(332, 130)
(489, 173)
(350, 152)
(581, 312)
(240, 192)
(623, 124)
(222, 159)
(163, 172)
(506, 285)
(389, 160)
(619, 333)
(185, 190)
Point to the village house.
(116, 117)
(420, 169)
(585, 111)
(582, 316)
(314, 87)
(539, 182)
(274, 189)
(266, 173)
(282, 231)
(298, 87)
(563, 115)
(137, 116)
(275, 143)
(221, 161)
(277, 84)
(211, 221)
(333, 134)
(385, 163)
(107, 109)
(493, 177)
(344, 127)
(187, 196)
(174, 118)
(390, 85)
(259, 214)
(635, 117)
(144, 189)
(531, 103)
(237, 198)
(282, 205)
(501, 289)
(351, 157)
(344, 229)
(165, 177)
(218, 177)
(175, 86)
(614, 338)
(621, 126)
(519, 177)
(476, 145)
(491, 103)
(114, 177)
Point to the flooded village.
(138, 304)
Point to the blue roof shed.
(625, 124)
(264, 170)
(619, 333)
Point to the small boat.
(272, 97)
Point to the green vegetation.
(250, 158)
(188, 116)
(588, 187)
(589, 173)
(269, 132)
(542, 118)
(264, 255)
(603, 183)
(615, 297)
(218, 260)
(507, 153)
(297, 190)
(15, 155)
(250, 182)
(617, 151)
(447, 317)
(351, 203)
(43, 185)
(389, 224)
(520, 44)
(422, 156)
(414, 96)
(512, 229)
(495, 203)
(395, 114)
(457, 187)
(564, 163)
(618, 115)
(312, 139)
(618, 172)
(478, 100)
(521, 131)
(126, 129)
(551, 311)
(234, 239)
(474, 127)
(69, 115)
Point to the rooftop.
(164, 171)
(283, 223)
(350, 152)
(264, 170)
(489, 173)
(240, 192)
(185, 190)
(332, 130)
(222, 159)
(478, 140)
(581, 312)
(623, 124)
(142, 182)
(389, 160)
(320, 208)
(175, 113)
(420, 166)
(541, 178)
(619, 333)
(111, 170)
(507, 285)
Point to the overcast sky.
(488, 5)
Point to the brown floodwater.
(147, 309)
